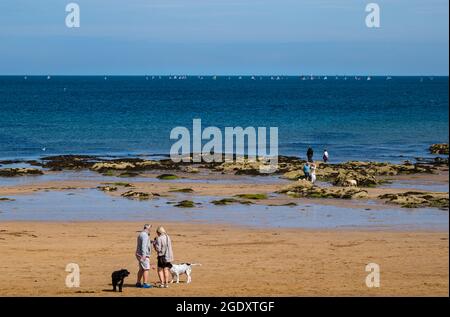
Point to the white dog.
(184, 268)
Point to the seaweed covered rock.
(252, 196)
(101, 165)
(106, 166)
(6, 199)
(413, 199)
(137, 195)
(107, 188)
(241, 167)
(304, 188)
(352, 178)
(182, 190)
(439, 148)
(191, 169)
(301, 183)
(185, 204)
(228, 201)
(260, 166)
(11, 172)
(167, 177)
(71, 162)
(293, 175)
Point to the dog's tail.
(195, 264)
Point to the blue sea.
(377, 119)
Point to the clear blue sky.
(224, 37)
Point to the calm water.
(91, 204)
(365, 120)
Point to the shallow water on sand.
(87, 175)
(91, 204)
(417, 185)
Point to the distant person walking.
(143, 251)
(325, 156)
(163, 246)
(309, 154)
(307, 171)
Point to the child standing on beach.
(307, 171)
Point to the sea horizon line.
(221, 75)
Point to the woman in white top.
(313, 173)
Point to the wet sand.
(236, 261)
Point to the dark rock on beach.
(107, 188)
(227, 201)
(137, 195)
(11, 172)
(182, 190)
(6, 199)
(70, 162)
(167, 177)
(413, 199)
(185, 204)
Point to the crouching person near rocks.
(163, 247)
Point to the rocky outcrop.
(291, 167)
(11, 172)
(418, 199)
(242, 167)
(363, 173)
(60, 162)
(293, 175)
(439, 148)
(380, 168)
(103, 165)
(352, 178)
(304, 188)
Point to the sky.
(194, 37)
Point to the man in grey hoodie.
(143, 251)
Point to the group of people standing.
(309, 169)
(162, 244)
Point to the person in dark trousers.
(307, 171)
(309, 154)
(325, 156)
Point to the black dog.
(118, 277)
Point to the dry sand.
(236, 261)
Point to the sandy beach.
(252, 236)
(236, 261)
